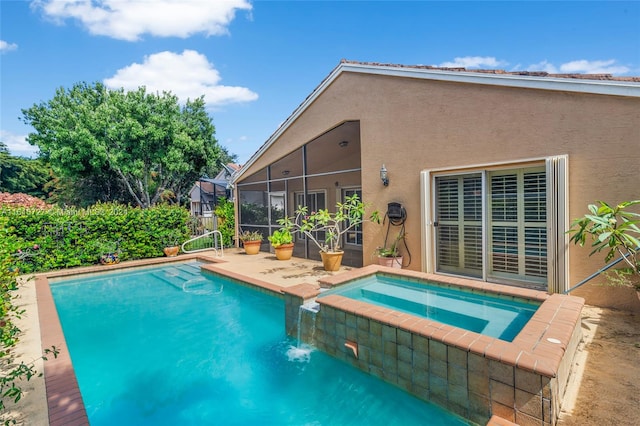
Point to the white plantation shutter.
(557, 170)
(447, 225)
(518, 224)
(535, 219)
(472, 225)
(459, 224)
(503, 203)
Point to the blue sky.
(255, 62)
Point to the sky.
(256, 61)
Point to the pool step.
(173, 277)
(192, 269)
(464, 311)
(184, 277)
(425, 304)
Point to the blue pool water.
(169, 346)
(492, 315)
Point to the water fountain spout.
(308, 310)
(353, 346)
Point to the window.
(354, 235)
(500, 224)
(314, 202)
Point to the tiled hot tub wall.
(473, 375)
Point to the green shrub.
(225, 213)
(42, 240)
(14, 374)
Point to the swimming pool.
(170, 345)
(487, 314)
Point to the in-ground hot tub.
(455, 366)
(490, 314)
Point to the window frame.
(301, 236)
(359, 229)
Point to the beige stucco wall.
(411, 125)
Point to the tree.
(23, 175)
(153, 147)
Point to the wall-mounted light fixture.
(384, 177)
(285, 172)
(343, 144)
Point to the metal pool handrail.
(217, 246)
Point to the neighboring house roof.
(221, 179)
(22, 200)
(227, 171)
(604, 84)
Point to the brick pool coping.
(555, 319)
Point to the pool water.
(492, 315)
(172, 346)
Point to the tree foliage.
(23, 175)
(154, 148)
(612, 229)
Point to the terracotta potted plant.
(390, 255)
(347, 216)
(251, 241)
(171, 244)
(282, 242)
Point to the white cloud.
(128, 20)
(543, 66)
(474, 62)
(7, 47)
(188, 75)
(581, 66)
(18, 145)
(593, 67)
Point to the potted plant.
(171, 243)
(390, 256)
(251, 241)
(108, 252)
(282, 242)
(334, 225)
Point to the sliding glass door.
(493, 224)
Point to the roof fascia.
(601, 87)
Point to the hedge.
(43, 240)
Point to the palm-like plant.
(348, 215)
(613, 229)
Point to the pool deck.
(58, 394)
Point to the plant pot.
(391, 262)
(109, 258)
(252, 247)
(331, 260)
(284, 251)
(171, 251)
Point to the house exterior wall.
(412, 125)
